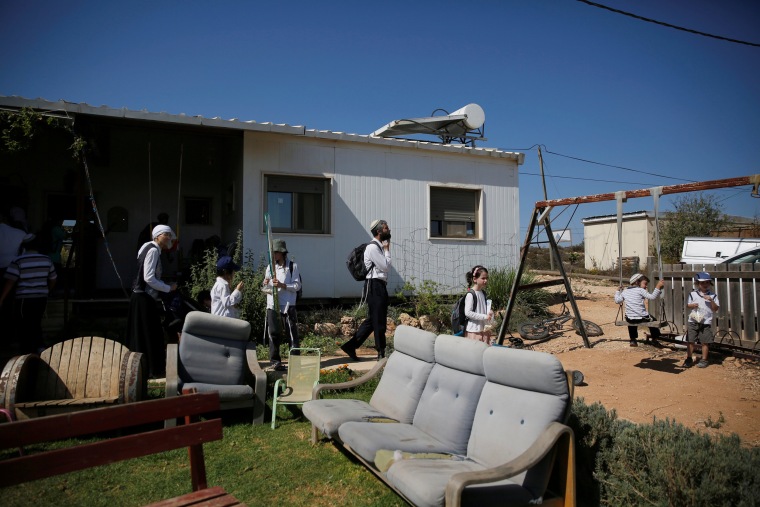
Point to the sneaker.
(702, 364)
(688, 363)
(634, 343)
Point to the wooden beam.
(671, 189)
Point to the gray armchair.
(214, 355)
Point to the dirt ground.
(648, 382)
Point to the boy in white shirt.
(703, 303)
(223, 300)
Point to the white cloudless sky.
(578, 80)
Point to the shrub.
(662, 463)
(425, 299)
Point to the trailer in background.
(714, 250)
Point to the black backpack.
(355, 262)
(300, 291)
(458, 317)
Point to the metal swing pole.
(568, 289)
(518, 276)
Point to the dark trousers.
(28, 313)
(289, 332)
(633, 331)
(145, 334)
(377, 305)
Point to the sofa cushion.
(447, 406)
(423, 482)
(227, 393)
(399, 390)
(525, 392)
(327, 415)
(366, 438)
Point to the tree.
(697, 214)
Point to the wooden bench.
(143, 440)
(77, 374)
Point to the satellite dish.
(464, 125)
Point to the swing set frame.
(540, 216)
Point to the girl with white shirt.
(476, 305)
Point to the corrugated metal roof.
(235, 124)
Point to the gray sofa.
(488, 430)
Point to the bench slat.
(94, 373)
(71, 459)
(110, 361)
(58, 403)
(211, 497)
(45, 429)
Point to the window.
(454, 213)
(298, 204)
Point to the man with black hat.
(377, 258)
(144, 331)
(287, 279)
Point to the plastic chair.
(303, 374)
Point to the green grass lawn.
(258, 465)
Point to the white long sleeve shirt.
(377, 260)
(152, 270)
(224, 301)
(477, 317)
(288, 295)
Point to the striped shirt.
(33, 272)
(634, 297)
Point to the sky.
(643, 104)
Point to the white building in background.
(449, 206)
(600, 239)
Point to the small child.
(223, 301)
(703, 303)
(635, 311)
(476, 306)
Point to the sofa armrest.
(374, 372)
(259, 383)
(556, 433)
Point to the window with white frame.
(298, 204)
(454, 213)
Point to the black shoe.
(688, 363)
(280, 367)
(634, 343)
(350, 352)
(380, 355)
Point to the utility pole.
(546, 197)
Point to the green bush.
(662, 463)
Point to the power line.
(617, 166)
(588, 179)
(642, 18)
